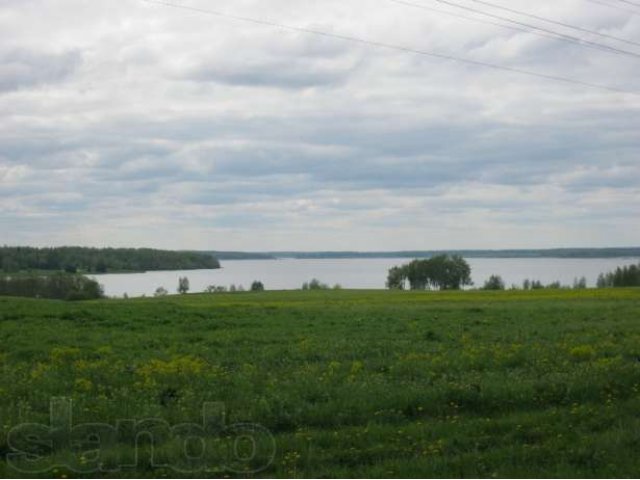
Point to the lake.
(289, 274)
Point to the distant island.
(100, 260)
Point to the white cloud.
(137, 124)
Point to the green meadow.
(343, 383)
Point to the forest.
(100, 260)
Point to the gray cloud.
(280, 73)
(21, 68)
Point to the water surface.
(289, 274)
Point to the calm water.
(288, 274)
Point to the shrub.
(315, 284)
(161, 292)
(495, 282)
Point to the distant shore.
(577, 253)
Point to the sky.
(134, 124)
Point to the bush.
(315, 284)
(161, 292)
(257, 286)
(495, 282)
(215, 289)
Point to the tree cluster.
(100, 260)
(316, 284)
(628, 276)
(495, 282)
(58, 286)
(442, 272)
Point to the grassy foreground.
(350, 384)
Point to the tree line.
(101, 260)
(184, 286)
(57, 286)
(628, 276)
(495, 282)
(452, 272)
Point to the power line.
(389, 46)
(541, 33)
(474, 19)
(617, 7)
(555, 22)
(565, 37)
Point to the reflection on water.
(288, 274)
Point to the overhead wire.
(529, 30)
(390, 46)
(556, 22)
(566, 37)
(474, 19)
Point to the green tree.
(183, 285)
(442, 272)
(580, 283)
(536, 285)
(449, 272)
(627, 276)
(494, 282)
(396, 278)
(602, 281)
(257, 286)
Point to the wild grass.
(351, 384)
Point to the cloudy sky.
(126, 123)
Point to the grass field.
(350, 384)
